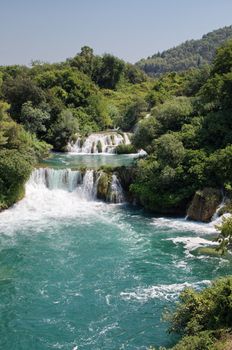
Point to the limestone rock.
(103, 186)
(204, 204)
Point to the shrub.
(125, 149)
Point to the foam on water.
(192, 243)
(161, 291)
(186, 225)
(53, 194)
(59, 194)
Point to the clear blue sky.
(52, 30)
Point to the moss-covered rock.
(112, 139)
(99, 146)
(204, 204)
(103, 185)
(210, 251)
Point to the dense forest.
(190, 54)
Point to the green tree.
(173, 113)
(61, 132)
(134, 112)
(33, 118)
(169, 150)
(19, 90)
(146, 131)
(109, 73)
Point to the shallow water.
(93, 161)
(81, 274)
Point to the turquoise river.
(80, 274)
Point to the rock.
(204, 204)
(103, 185)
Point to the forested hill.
(192, 53)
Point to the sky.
(53, 30)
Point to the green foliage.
(87, 85)
(20, 90)
(202, 341)
(146, 131)
(63, 129)
(169, 150)
(225, 234)
(192, 53)
(204, 318)
(33, 119)
(183, 120)
(188, 139)
(125, 149)
(209, 309)
(223, 59)
(14, 171)
(19, 151)
(172, 114)
(110, 72)
(134, 112)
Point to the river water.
(77, 273)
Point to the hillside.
(190, 54)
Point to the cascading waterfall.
(64, 179)
(83, 184)
(88, 188)
(99, 143)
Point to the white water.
(192, 243)
(162, 291)
(64, 179)
(58, 194)
(116, 191)
(107, 141)
(84, 184)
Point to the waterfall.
(126, 139)
(116, 191)
(88, 187)
(83, 185)
(64, 179)
(98, 143)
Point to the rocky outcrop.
(204, 204)
(103, 185)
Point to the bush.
(209, 309)
(125, 149)
(225, 234)
(14, 172)
(202, 341)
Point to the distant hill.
(192, 53)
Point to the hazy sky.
(52, 30)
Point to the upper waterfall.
(98, 143)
